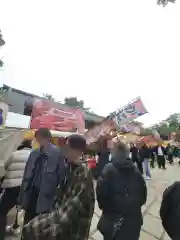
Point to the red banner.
(55, 116)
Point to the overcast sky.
(104, 52)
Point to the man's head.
(120, 152)
(43, 136)
(76, 145)
(25, 144)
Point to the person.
(152, 156)
(103, 157)
(160, 152)
(144, 154)
(121, 191)
(73, 214)
(170, 210)
(177, 153)
(170, 153)
(91, 162)
(1, 117)
(45, 170)
(14, 170)
(135, 157)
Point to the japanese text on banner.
(129, 112)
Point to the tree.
(1, 63)
(2, 42)
(48, 96)
(75, 103)
(165, 2)
(145, 131)
(169, 125)
(173, 121)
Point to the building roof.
(89, 116)
(21, 92)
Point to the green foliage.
(165, 2)
(169, 125)
(48, 96)
(75, 103)
(2, 42)
(1, 63)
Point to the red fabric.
(91, 163)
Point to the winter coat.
(72, 216)
(169, 150)
(144, 152)
(111, 197)
(102, 160)
(134, 153)
(53, 174)
(163, 150)
(14, 168)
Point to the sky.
(104, 52)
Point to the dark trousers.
(170, 158)
(139, 164)
(152, 162)
(30, 212)
(7, 202)
(140, 167)
(161, 161)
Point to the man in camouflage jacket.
(71, 218)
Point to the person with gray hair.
(121, 192)
(120, 151)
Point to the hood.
(123, 164)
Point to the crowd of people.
(146, 156)
(54, 192)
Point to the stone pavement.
(152, 228)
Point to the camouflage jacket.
(71, 219)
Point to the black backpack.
(170, 210)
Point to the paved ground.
(152, 229)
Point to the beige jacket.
(14, 168)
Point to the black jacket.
(110, 193)
(163, 150)
(134, 152)
(169, 150)
(102, 161)
(144, 152)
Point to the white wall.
(4, 106)
(16, 120)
